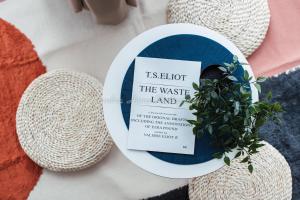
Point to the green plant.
(224, 109)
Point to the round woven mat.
(60, 123)
(244, 22)
(270, 180)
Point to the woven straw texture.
(244, 22)
(270, 180)
(60, 123)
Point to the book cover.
(157, 121)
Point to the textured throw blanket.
(19, 65)
(285, 137)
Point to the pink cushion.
(281, 48)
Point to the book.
(157, 121)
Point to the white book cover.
(157, 122)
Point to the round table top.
(172, 41)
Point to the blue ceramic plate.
(180, 47)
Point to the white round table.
(112, 100)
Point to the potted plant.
(223, 108)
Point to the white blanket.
(64, 39)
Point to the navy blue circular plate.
(180, 47)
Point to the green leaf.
(258, 145)
(257, 87)
(259, 122)
(181, 103)
(261, 79)
(250, 168)
(246, 75)
(225, 118)
(209, 128)
(195, 86)
(236, 107)
(235, 58)
(195, 113)
(218, 155)
(228, 142)
(243, 90)
(222, 69)
(245, 159)
(252, 109)
(227, 64)
(199, 133)
(195, 130)
(269, 95)
(214, 95)
(238, 154)
(232, 78)
(235, 133)
(224, 128)
(277, 107)
(192, 107)
(192, 121)
(187, 97)
(227, 160)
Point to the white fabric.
(65, 39)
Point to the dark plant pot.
(212, 72)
